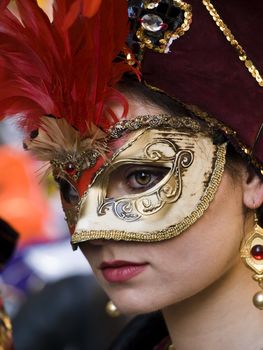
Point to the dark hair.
(132, 87)
(135, 89)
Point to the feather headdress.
(65, 67)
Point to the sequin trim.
(231, 39)
(214, 124)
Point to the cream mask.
(148, 179)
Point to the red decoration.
(164, 26)
(257, 252)
(70, 169)
(65, 67)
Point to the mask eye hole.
(68, 191)
(133, 179)
(142, 179)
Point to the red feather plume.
(65, 67)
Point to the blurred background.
(48, 290)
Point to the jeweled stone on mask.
(152, 5)
(70, 169)
(152, 23)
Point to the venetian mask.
(147, 179)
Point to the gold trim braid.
(171, 231)
(230, 37)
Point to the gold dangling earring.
(252, 254)
(112, 310)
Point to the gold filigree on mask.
(168, 231)
(156, 121)
(194, 168)
(68, 151)
(168, 190)
(72, 164)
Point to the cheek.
(185, 265)
(91, 254)
(207, 250)
(193, 265)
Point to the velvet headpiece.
(215, 61)
(217, 65)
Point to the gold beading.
(230, 37)
(169, 35)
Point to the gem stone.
(152, 23)
(152, 5)
(257, 252)
(70, 169)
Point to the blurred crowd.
(48, 290)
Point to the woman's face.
(143, 277)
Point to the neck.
(220, 317)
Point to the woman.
(159, 195)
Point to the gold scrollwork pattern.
(73, 164)
(168, 190)
(166, 233)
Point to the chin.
(131, 309)
(132, 303)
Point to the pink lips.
(120, 271)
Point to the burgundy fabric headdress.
(67, 67)
(203, 68)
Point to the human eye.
(134, 179)
(142, 179)
(67, 190)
